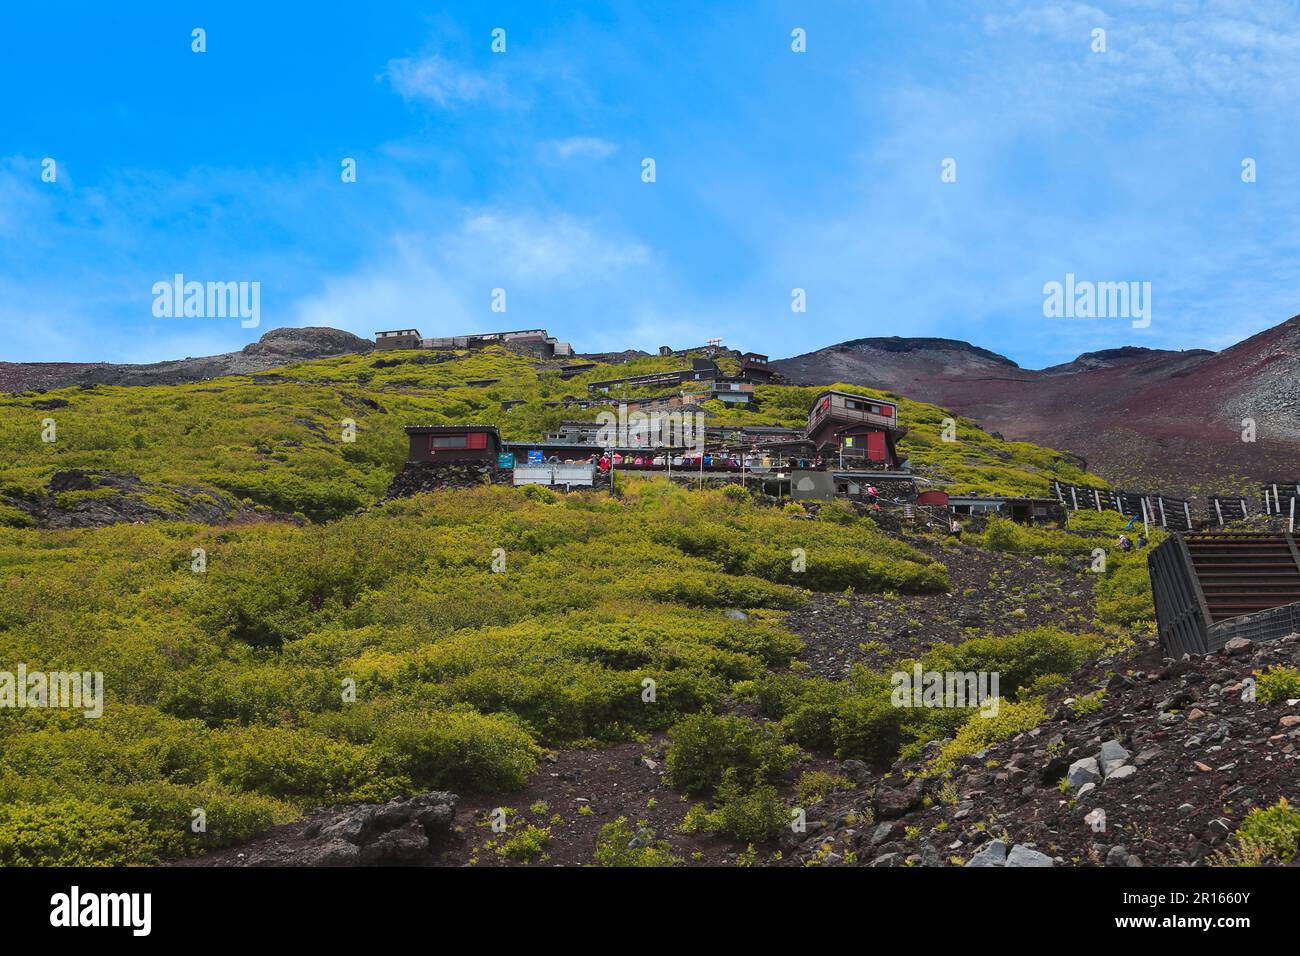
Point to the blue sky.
(775, 170)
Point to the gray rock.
(735, 615)
(1118, 856)
(405, 845)
(1146, 756)
(890, 803)
(1112, 756)
(352, 827)
(329, 852)
(1023, 856)
(857, 770)
(993, 853)
(1121, 773)
(1238, 645)
(1083, 771)
(881, 834)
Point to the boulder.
(1083, 771)
(890, 803)
(1121, 773)
(1023, 856)
(1112, 757)
(993, 853)
(1238, 645)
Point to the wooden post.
(1292, 523)
(1219, 511)
(1244, 512)
(1096, 497)
(1146, 527)
(1074, 495)
(1160, 500)
(1187, 513)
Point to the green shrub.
(755, 813)
(980, 732)
(1086, 704)
(1277, 683)
(1267, 835)
(614, 846)
(1018, 659)
(458, 750)
(527, 845)
(816, 784)
(737, 493)
(73, 833)
(869, 728)
(300, 765)
(704, 747)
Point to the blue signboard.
(535, 456)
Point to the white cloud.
(435, 79)
(442, 283)
(580, 147)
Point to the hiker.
(1124, 543)
(1142, 540)
(872, 494)
(603, 463)
(955, 529)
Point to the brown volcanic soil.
(1203, 757)
(1145, 419)
(991, 593)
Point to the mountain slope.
(1139, 417)
(277, 347)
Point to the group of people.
(732, 460)
(1126, 545)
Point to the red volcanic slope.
(1141, 417)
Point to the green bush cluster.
(858, 718)
(1267, 835)
(381, 654)
(705, 747)
(750, 811)
(1122, 590)
(1277, 683)
(619, 846)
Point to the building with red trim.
(448, 444)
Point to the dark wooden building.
(447, 444)
(753, 368)
(398, 339)
(856, 429)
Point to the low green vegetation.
(1123, 584)
(279, 439)
(619, 846)
(1267, 835)
(257, 669)
(1277, 684)
(860, 718)
(743, 809)
(382, 654)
